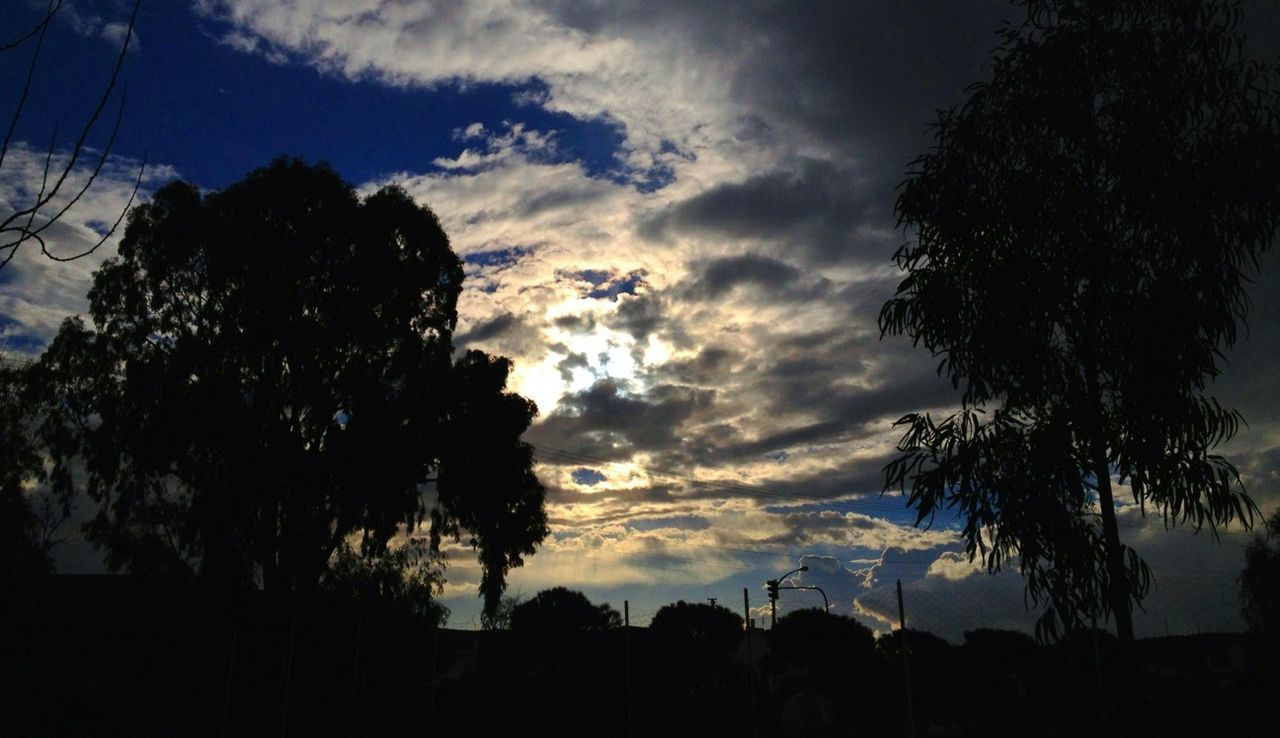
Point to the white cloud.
(746, 353)
(37, 292)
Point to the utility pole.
(626, 643)
(772, 584)
(906, 667)
(231, 667)
(751, 662)
(712, 600)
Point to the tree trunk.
(1118, 591)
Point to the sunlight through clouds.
(678, 223)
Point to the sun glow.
(586, 357)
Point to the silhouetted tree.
(1260, 581)
(1082, 232)
(500, 618)
(1001, 667)
(933, 671)
(921, 644)
(28, 220)
(1008, 649)
(35, 498)
(483, 451)
(406, 577)
(828, 645)
(560, 611)
(271, 372)
(20, 551)
(698, 626)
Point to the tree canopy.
(1260, 581)
(270, 377)
(832, 646)
(1083, 231)
(21, 549)
(560, 611)
(407, 578)
(698, 626)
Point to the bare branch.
(29, 231)
(54, 6)
(43, 27)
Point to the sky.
(677, 220)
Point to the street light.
(826, 604)
(773, 594)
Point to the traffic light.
(773, 588)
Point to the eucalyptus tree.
(1080, 237)
(270, 375)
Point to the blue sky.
(676, 219)
(214, 113)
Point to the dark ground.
(106, 656)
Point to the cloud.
(697, 317)
(809, 210)
(92, 25)
(37, 293)
(606, 419)
(253, 45)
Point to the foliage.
(828, 644)
(1260, 580)
(270, 372)
(49, 202)
(20, 552)
(35, 500)
(405, 577)
(922, 646)
(1006, 647)
(560, 611)
(500, 618)
(483, 451)
(698, 626)
(1082, 232)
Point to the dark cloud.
(863, 78)
(866, 77)
(803, 390)
(604, 419)
(573, 361)
(576, 323)
(507, 334)
(1260, 471)
(489, 329)
(771, 205)
(711, 366)
(862, 477)
(807, 208)
(639, 315)
(559, 199)
(760, 273)
(1249, 379)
